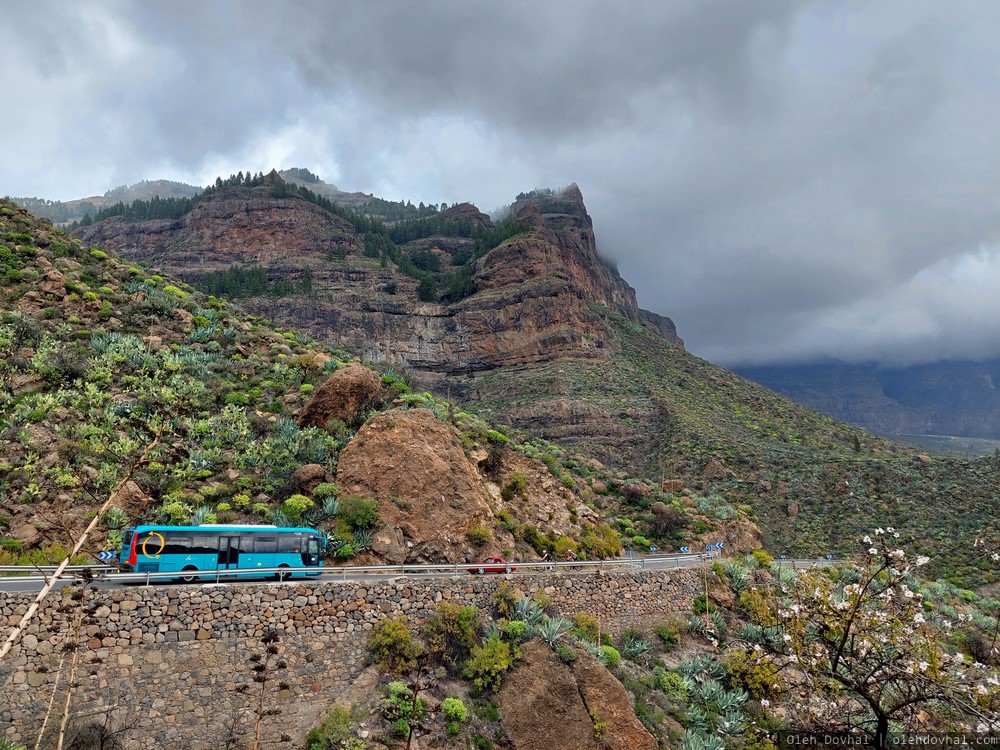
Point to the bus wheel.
(189, 579)
(283, 574)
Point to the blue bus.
(220, 548)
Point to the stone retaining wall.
(175, 661)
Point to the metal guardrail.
(52, 568)
(808, 562)
(113, 573)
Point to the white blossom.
(922, 560)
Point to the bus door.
(229, 552)
(310, 553)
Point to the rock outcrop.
(541, 299)
(346, 395)
(547, 704)
(429, 492)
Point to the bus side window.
(264, 545)
(288, 543)
(176, 544)
(204, 543)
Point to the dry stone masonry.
(176, 661)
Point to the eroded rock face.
(541, 300)
(426, 487)
(346, 395)
(547, 704)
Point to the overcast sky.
(786, 180)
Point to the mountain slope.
(946, 398)
(101, 361)
(544, 336)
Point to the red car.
(492, 565)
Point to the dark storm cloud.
(786, 180)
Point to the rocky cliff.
(540, 298)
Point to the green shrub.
(99, 254)
(586, 627)
(401, 727)
(360, 512)
(174, 291)
(393, 645)
(670, 635)
(763, 558)
(452, 631)
(759, 677)
(504, 598)
(479, 534)
(671, 683)
(296, 505)
(236, 398)
(326, 489)
(516, 631)
(610, 656)
(241, 501)
(334, 732)
(702, 605)
(566, 654)
(307, 388)
(488, 663)
(497, 437)
(454, 709)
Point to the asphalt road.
(34, 582)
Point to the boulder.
(546, 704)
(306, 478)
(53, 282)
(346, 395)
(414, 465)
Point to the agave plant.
(202, 515)
(719, 623)
(362, 540)
(552, 629)
(280, 518)
(698, 721)
(732, 700)
(529, 611)
(697, 626)
(115, 518)
(739, 577)
(635, 648)
(203, 333)
(703, 667)
(200, 461)
(330, 507)
(333, 543)
(730, 724)
(287, 430)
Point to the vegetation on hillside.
(112, 358)
(868, 646)
(813, 483)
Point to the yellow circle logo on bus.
(163, 543)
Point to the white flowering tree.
(866, 657)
